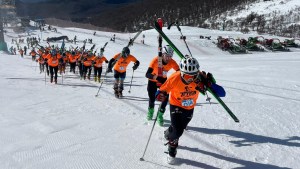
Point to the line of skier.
(181, 89)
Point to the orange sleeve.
(175, 65)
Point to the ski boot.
(116, 90)
(96, 78)
(172, 151)
(120, 93)
(160, 118)
(150, 113)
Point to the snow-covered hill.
(65, 126)
(273, 17)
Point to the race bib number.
(188, 102)
(122, 68)
(54, 61)
(165, 73)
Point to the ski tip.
(237, 121)
(142, 159)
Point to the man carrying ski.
(184, 87)
(97, 62)
(120, 69)
(53, 62)
(156, 81)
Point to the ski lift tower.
(7, 7)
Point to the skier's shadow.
(248, 139)
(245, 163)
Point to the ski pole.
(142, 158)
(131, 81)
(45, 76)
(62, 77)
(101, 84)
(177, 25)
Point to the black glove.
(211, 78)
(161, 79)
(106, 61)
(201, 88)
(109, 69)
(135, 66)
(160, 95)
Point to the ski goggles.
(188, 78)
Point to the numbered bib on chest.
(54, 61)
(188, 102)
(122, 68)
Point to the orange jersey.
(154, 65)
(46, 56)
(41, 60)
(73, 58)
(32, 53)
(53, 61)
(99, 61)
(88, 61)
(181, 95)
(122, 63)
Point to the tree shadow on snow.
(245, 163)
(248, 139)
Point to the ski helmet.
(189, 65)
(125, 52)
(168, 50)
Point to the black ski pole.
(142, 158)
(101, 84)
(131, 81)
(45, 76)
(179, 29)
(62, 77)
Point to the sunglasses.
(189, 78)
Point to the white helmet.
(168, 50)
(189, 65)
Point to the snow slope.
(65, 126)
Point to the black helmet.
(125, 52)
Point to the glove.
(160, 95)
(102, 50)
(161, 79)
(109, 69)
(210, 78)
(135, 66)
(201, 88)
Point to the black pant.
(72, 67)
(87, 70)
(53, 70)
(97, 71)
(47, 68)
(152, 88)
(80, 68)
(179, 120)
(42, 67)
(119, 81)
